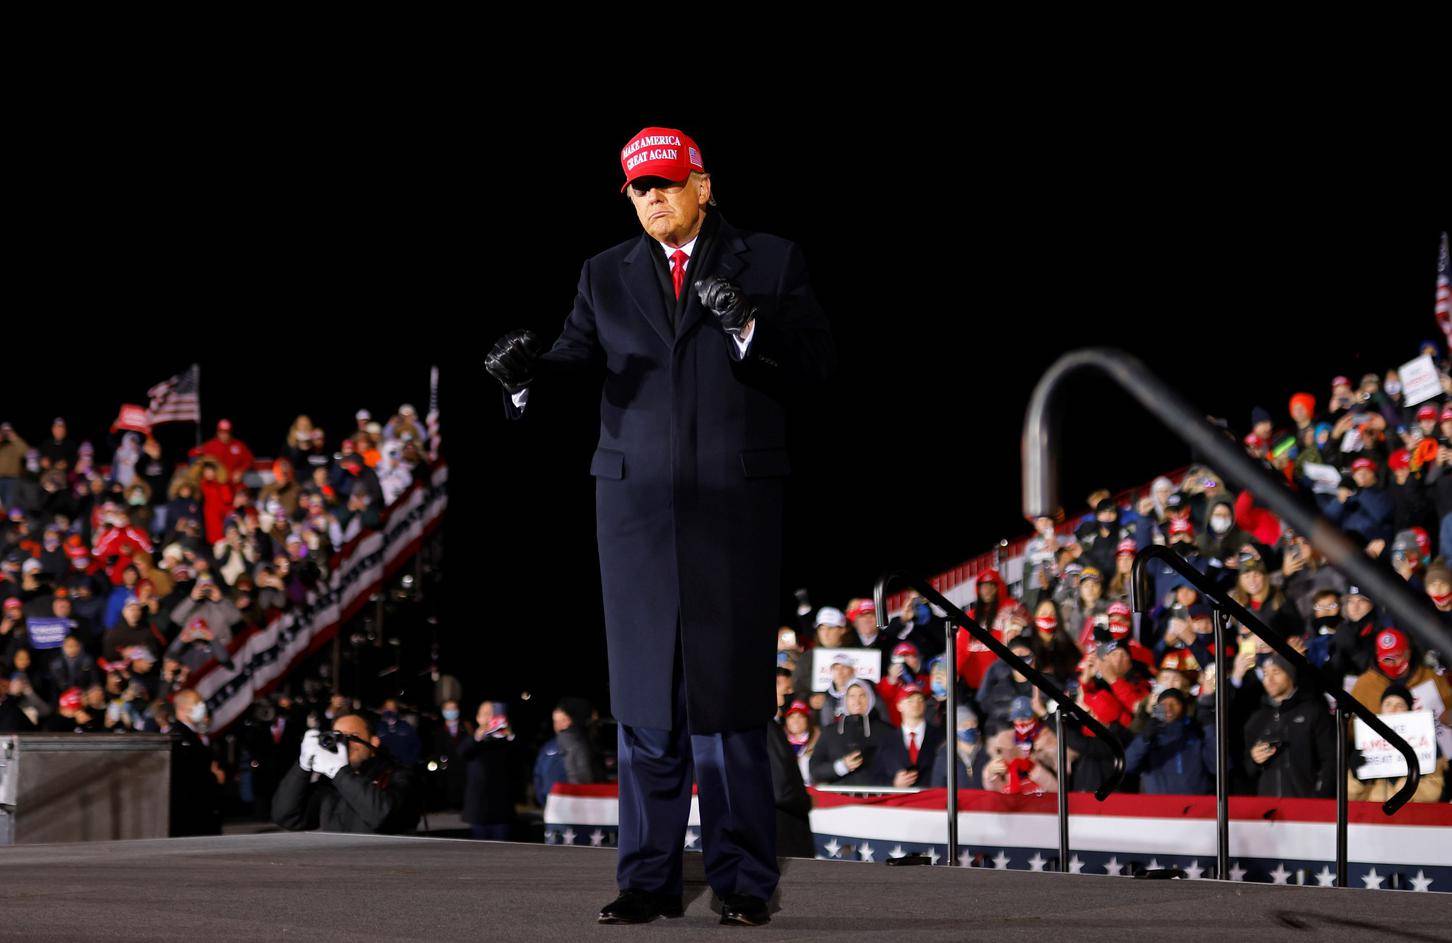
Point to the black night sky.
(317, 259)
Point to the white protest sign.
(1420, 380)
(1384, 760)
(866, 664)
(1425, 697)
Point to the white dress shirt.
(743, 340)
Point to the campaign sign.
(1420, 380)
(47, 631)
(1384, 760)
(866, 664)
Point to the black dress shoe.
(743, 910)
(640, 907)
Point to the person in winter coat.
(1411, 502)
(908, 756)
(361, 790)
(1396, 699)
(1397, 662)
(967, 750)
(846, 755)
(793, 802)
(218, 492)
(802, 736)
(1368, 511)
(994, 610)
(489, 786)
(1254, 591)
(567, 756)
(227, 450)
(1059, 655)
(1002, 686)
(1222, 538)
(1172, 754)
(1290, 741)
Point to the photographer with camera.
(344, 781)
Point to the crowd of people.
(126, 569)
(1380, 469)
(120, 581)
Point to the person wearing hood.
(1353, 648)
(968, 747)
(1100, 538)
(995, 609)
(1222, 538)
(846, 754)
(1002, 685)
(567, 756)
(1290, 740)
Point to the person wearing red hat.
(1365, 510)
(226, 448)
(703, 328)
(908, 756)
(905, 667)
(1397, 662)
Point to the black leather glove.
(512, 360)
(727, 302)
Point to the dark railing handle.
(1227, 604)
(1041, 449)
(1035, 677)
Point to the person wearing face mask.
(398, 736)
(1353, 648)
(1398, 662)
(967, 747)
(196, 776)
(1222, 539)
(446, 739)
(1438, 586)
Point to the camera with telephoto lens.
(329, 739)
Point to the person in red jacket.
(1259, 523)
(218, 492)
(1113, 683)
(906, 668)
(993, 610)
(231, 452)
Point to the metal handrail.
(1142, 601)
(1063, 705)
(1040, 477)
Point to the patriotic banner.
(262, 657)
(1277, 841)
(1443, 308)
(178, 399)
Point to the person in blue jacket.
(1368, 510)
(1173, 754)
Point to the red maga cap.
(1427, 412)
(1391, 643)
(1180, 525)
(861, 607)
(1401, 458)
(1363, 462)
(660, 152)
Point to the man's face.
(1172, 708)
(671, 212)
(841, 674)
(1357, 607)
(831, 636)
(71, 647)
(1364, 477)
(796, 723)
(783, 685)
(353, 726)
(856, 700)
(1277, 683)
(865, 623)
(912, 708)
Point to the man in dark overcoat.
(703, 330)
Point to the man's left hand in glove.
(725, 299)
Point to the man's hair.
(370, 720)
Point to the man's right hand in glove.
(513, 358)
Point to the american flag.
(177, 399)
(432, 419)
(1444, 290)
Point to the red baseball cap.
(1363, 462)
(799, 707)
(1401, 458)
(908, 690)
(904, 649)
(70, 699)
(1391, 643)
(1447, 412)
(660, 152)
(1125, 546)
(1340, 381)
(1181, 525)
(861, 607)
(1427, 412)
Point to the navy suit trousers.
(732, 771)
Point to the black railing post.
(1222, 753)
(1341, 797)
(950, 659)
(1062, 750)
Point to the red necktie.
(678, 270)
(913, 747)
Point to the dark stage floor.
(340, 887)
